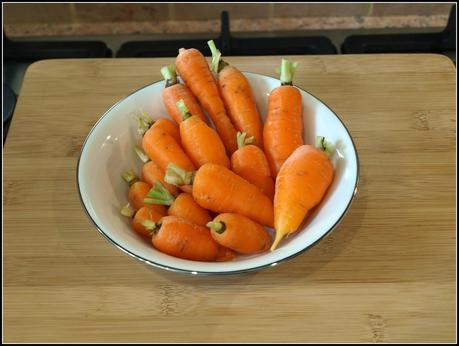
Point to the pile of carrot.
(215, 179)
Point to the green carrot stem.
(325, 146)
(242, 141)
(217, 63)
(130, 177)
(169, 75)
(144, 122)
(141, 154)
(287, 71)
(150, 225)
(217, 226)
(127, 211)
(183, 109)
(178, 176)
(160, 195)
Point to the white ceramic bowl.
(107, 152)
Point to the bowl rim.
(231, 272)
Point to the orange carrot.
(283, 128)
(145, 122)
(174, 91)
(181, 238)
(300, 185)
(250, 162)
(237, 96)
(217, 188)
(163, 149)
(201, 142)
(183, 205)
(239, 233)
(138, 191)
(225, 254)
(151, 173)
(145, 213)
(193, 68)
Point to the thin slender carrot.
(174, 91)
(183, 205)
(163, 149)
(138, 190)
(283, 128)
(237, 96)
(239, 233)
(201, 142)
(181, 238)
(194, 70)
(217, 188)
(145, 213)
(300, 185)
(250, 162)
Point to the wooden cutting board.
(386, 274)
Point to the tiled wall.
(17, 13)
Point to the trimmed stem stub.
(324, 145)
(150, 225)
(159, 195)
(242, 141)
(217, 226)
(144, 122)
(183, 109)
(169, 74)
(178, 176)
(217, 63)
(141, 154)
(127, 211)
(287, 71)
(130, 177)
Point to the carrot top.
(151, 226)
(159, 195)
(325, 146)
(217, 226)
(130, 177)
(217, 63)
(183, 109)
(127, 211)
(287, 71)
(169, 75)
(242, 141)
(144, 122)
(141, 154)
(178, 176)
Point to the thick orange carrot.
(138, 190)
(283, 128)
(193, 68)
(145, 213)
(151, 173)
(163, 149)
(300, 185)
(201, 142)
(183, 205)
(217, 188)
(250, 162)
(181, 238)
(239, 233)
(237, 96)
(174, 91)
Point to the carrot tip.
(277, 239)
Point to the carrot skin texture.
(185, 207)
(241, 234)
(137, 193)
(163, 149)
(202, 143)
(250, 163)
(169, 127)
(225, 254)
(151, 173)
(283, 128)
(194, 70)
(171, 95)
(217, 188)
(240, 103)
(300, 185)
(142, 214)
(181, 238)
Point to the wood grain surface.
(386, 274)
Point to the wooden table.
(387, 273)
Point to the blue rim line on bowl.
(178, 270)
